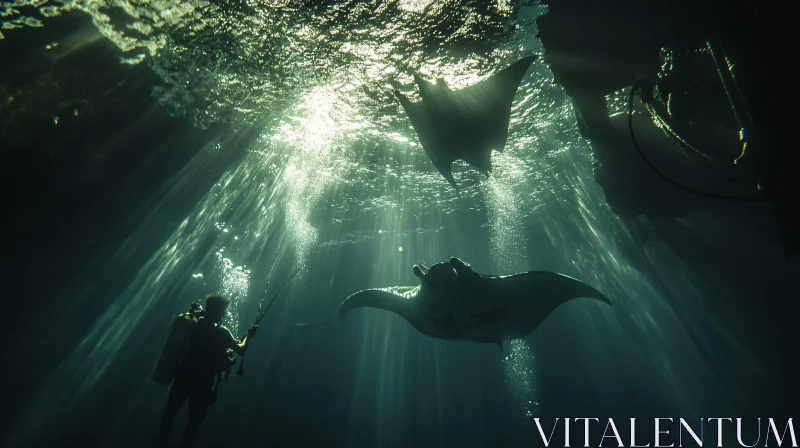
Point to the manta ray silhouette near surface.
(465, 124)
(453, 302)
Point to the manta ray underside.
(455, 303)
(465, 124)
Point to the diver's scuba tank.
(176, 345)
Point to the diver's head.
(216, 305)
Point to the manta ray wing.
(401, 300)
(385, 298)
(544, 283)
(424, 118)
(486, 106)
(533, 296)
(420, 118)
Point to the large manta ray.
(453, 302)
(465, 124)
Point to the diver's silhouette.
(207, 355)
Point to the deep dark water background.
(701, 324)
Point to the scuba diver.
(200, 349)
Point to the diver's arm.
(241, 347)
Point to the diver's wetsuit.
(195, 376)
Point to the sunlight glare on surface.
(414, 5)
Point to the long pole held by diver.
(240, 372)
